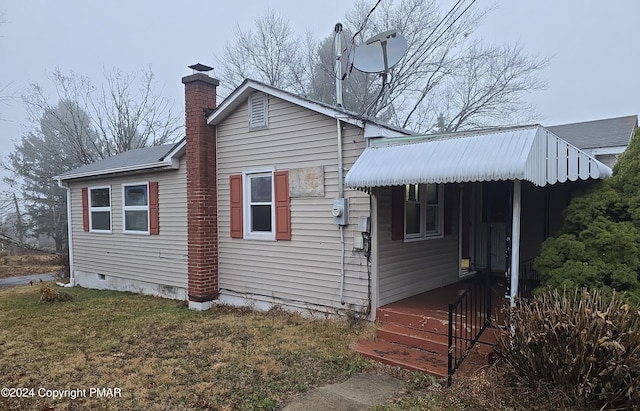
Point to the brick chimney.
(202, 218)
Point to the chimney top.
(200, 67)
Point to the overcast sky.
(593, 75)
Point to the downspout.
(337, 43)
(341, 195)
(340, 162)
(69, 233)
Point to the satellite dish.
(380, 53)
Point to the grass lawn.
(161, 355)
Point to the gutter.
(69, 233)
(171, 163)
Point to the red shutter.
(85, 208)
(397, 212)
(235, 186)
(154, 209)
(283, 208)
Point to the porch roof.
(529, 153)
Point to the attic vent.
(258, 111)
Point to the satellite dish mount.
(380, 54)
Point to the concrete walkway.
(25, 279)
(360, 392)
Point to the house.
(251, 208)
(602, 139)
(276, 200)
(247, 209)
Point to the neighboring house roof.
(372, 127)
(529, 153)
(156, 157)
(611, 132)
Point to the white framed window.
(423, 211)
(135, 208)
(413, 210)
(259, 205)
(100, 209)
(258, 109)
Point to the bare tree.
(271, 53)
(84, 125)
(446, 82)
(5, 93)
(488, 86)
(67, 120)
(127, 118)
(126, 113)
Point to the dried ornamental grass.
(580, 342)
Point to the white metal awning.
(529, 153)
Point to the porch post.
(515, 240)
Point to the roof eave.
(177, 150)
(171, 163)
(238, 96)
(522, 157)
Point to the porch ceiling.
(530, 153)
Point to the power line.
(453, 10)
(364, 22)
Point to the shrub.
(49, 295)
(599, 244)
(580, 342)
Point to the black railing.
(528, 279)
(469, 316)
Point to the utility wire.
(424, 43)
(447, 17)
(364, 22)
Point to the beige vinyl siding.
(304, 271)
(406, 268)
(158, 259)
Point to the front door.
(466, 226)
(493, 229)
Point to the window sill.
(258, 237)
(135, 232)
(430, 237)
(101, 231)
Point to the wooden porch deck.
(413, 332)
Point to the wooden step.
(432, 322)
(403, 356)
(428, 341)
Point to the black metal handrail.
(469, 316)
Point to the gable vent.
(258, 111)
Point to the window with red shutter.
(154, 209)
(138, 204)
(283, 208)
(397, 212)
(85, 208)
(417, 212)
(260, 205)
(235, 186)
(99, 209)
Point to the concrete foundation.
(108, 282)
